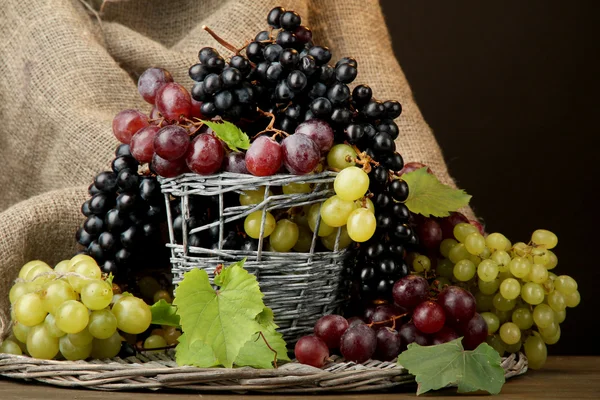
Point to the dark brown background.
(510, 91)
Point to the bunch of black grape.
(122, 229)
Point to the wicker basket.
(298, 287)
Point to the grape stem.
(270, 127)
(260, 334)
(222, 41)
(392, 320)
(363, 159)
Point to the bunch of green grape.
(521, 300)
(70, 311)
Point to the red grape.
(173, 101)
(430, 234)
(171, 142)
(444, 335)
(168, 169)
(458, 304)
(386, 312)
(127, 123)
(358, 343)
(330, 329)
(388, 344)
(235, 162)
(142, 144)
(154, 114)
(474, 332)
(355, 321)
(264, 157)
(319, 131)
(410, 291)
(448, 223)
(429, 317)
(413, 166)
(150, 81)
(368, 313)
(195, 110)
(300, 154)
(410, 334)
(312, 351)
(205, 155)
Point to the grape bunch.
(71, 311)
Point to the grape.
(445, 269)
(361, 225)
(523, 318)
(502, 303)
(330, 329)
(510, 288)
(264, 157)
(296, 187)
(171, 335)
(300, 154)
(543, 316)
(556, 300)
(430, 234)
(39, 271)
(127, 123)
(40, 344)
(492, 321)
(487, 270)
(20, 331)
(536, 352)
(320, 132)
(551, 335)
(565, 285)
(10, 347)
(464, 270)
(85, 271)
(520, 267)
(168, 169)
(399, 190)
(305, 237)
(559, 316)
(249, 197)
(483, 302)
(171, 142)
(358, 344)
(96, 295)
(475, 332)
(496, 343)
(421, 263)
(341, 156)
(444, 335)
(162, 295)
(235, 162)
(388, 344)
(103, 324)
(474, 243)
(29, 309)
(106, 348)
(73, 352)
(462, 230)
(458, 253)
(18, 290)
(351, 183)
(510, 333)
(154, 342)
(311, 350)
(497, 241)
(80, 338)
(410, 334)
(253, 222)
(458, 304)
(532, 293)
(572, 300)
(150, 81)
(542, 237)
(148, 285)
(385, 315)
(329, 240)
(71, 316)
(410, 291)
(173, 101)
(50, 324)
(429, 317)
(552, 260)
(133, 315)
(205, 155)
(335, 211)
(284, 236)
(313, 215)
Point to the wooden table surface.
(562, 378)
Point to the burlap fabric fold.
(64, 75)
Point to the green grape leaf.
(446, 364)
(196, 354)
(164, 313)
(233, 136)
(224, 319)
(428, 196)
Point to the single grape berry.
(205, 155)
(410, 291)
(264, 157)
(151, 81)
(398, 189)
(458, 304)
(358, 343)
(127, 123)
(300, 154)
(388, 344)
(274, 16)
(330, 329)
(311, 350)
(173, 101)
(429, 317)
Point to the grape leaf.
(197, 354)
(428, 196)
(438, 366)
(164, 313)
(233, 136)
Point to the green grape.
(540, 256)
(560, 316)
(573, 299)
(535, 351)
(565, 284)
(552, 260)
(284, 236)
(28, 309)
(62, 267)
(543, 315)
(421, 263)
(501, 257)
(335, 211)
(488, 287)
(74, 352)
(29, 266)
(520, 249)
(133, 315)
(329, 241)
(351, 183)
(510, 288)
(55, 293)
(103, 324)
(474, 259)
(85, 271)
(510, 333)
(305, 237)
(519, 267)
(148, 286)
(20, 331)
(556, 300)
(503, 316)
(365, 202)
(445, 268)
(81, 338)
(51, 327)
(161, 295)
(483, 302)
(551, 335)
(485, 254)
(513, 348)
(96, 295)
(496, 343)
(10, 347)
(492, 321)
(313, 216)
(171, 335)
(106, 348)
(40, 344)
(487, 270)
(532, 293)
(462, 230)
(538, 273)
(295, 188)
(38, 270)
(475, 243)
(522, 318)
(464, 270)
(446, 246)
(550, 330)
(542, 237)
(18, 290)
(253, 222)
(497, 241)
(71, 316)
(458, 253)
(250, 197)
(361, 224)
(154, 342)
(341, 156)
(78, 258)
(502, 303)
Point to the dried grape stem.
(270, 348)
(392, 320)
(269, 127)
(221, 41)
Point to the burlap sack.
(64, 75)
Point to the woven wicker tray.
(156, 372)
